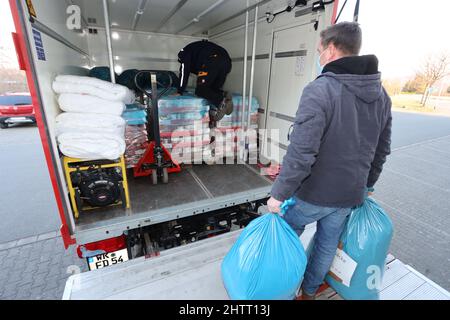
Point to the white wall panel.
(284, 85)
(139, 50)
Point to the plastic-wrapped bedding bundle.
(233, 123)
(182, 104)
(91, 146)
(94, 87)
(91, 127)
(89, 122)
(82, 103)
(267, 262)
(193, 127)
(136, 138)
(136, 144)
(184, 126)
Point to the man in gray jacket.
(341, 137)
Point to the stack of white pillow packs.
(91, 126)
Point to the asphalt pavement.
(27, 204)
(411, 128)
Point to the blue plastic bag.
(267, 262)
(366, 239)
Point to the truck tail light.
(108, 245)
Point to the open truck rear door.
(49, 45)
(28, 44)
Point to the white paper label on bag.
(343, 267)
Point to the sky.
(401, 33)
(6, 27)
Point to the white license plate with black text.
(107, 259)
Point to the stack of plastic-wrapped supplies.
(184, 126)
(185, 132)
(229, 129)
(136, 137)
(91, 126)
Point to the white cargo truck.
(170, 242)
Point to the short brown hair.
(345, 36)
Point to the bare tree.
(433, 69)
(393, 86)
(414, 85)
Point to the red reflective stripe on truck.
(20, 58)
(68, 240)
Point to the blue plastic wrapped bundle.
(188, 116)
(238, 101)
(183, 122)
(182, 104)
(366, 240)
(135, 115)
(182, 111)
(266, 262)
(234, 122)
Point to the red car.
(16, 108)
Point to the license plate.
(107, 259)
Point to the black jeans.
(211, 78)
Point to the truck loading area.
(267, 66)
(274, 70)
(194, 190)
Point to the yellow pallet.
(67, 162)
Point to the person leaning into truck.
(211, 63)
(340, 140)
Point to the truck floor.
(197, 187)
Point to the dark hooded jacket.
(341, 136)
(194, 56)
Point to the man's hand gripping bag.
(366, 240)
(267, 262)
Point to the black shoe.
(225, 108)
(217, 114)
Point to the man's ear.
(333, 50)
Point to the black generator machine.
(96, 184)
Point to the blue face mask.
(319, 67)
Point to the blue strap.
(286, 205)
(367, 192)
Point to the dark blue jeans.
(330, 224)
